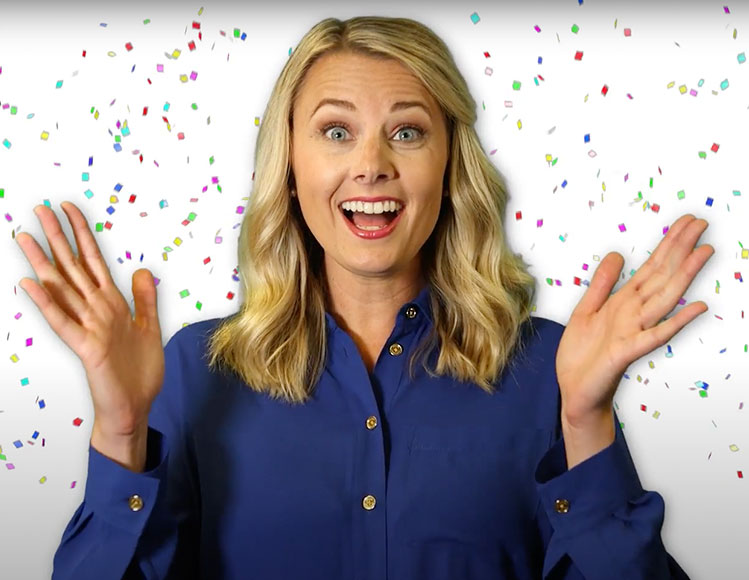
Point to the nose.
(373, 160)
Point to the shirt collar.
(422, 304)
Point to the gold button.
(410, 311)
(369, 502)
(395, 349)
(562, 506)
(371, 422)
(135, 502)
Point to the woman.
(292, 439)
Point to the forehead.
(370, 82)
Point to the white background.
(681, 442)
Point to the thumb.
(144, 294)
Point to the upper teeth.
(369, 207)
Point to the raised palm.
(123, 356)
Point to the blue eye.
(338, 124)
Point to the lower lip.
(372, 234)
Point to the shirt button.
(562, 506)
(411, 312)
(395, 349)
(135, 502)
(369, 502)
(371, 422)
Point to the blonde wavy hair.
(481, 293)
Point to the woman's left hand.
(606, 333)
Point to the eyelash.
(329, 126)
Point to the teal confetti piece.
(475, 17)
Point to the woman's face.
(368, 149)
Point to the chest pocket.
(473, 485)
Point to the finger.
(645, 272)
(52, 281)
(144, 293)
(652, 338)
(599, 290)
(62, 253)
(663, 302)
(64, 326)
(89, 253)
(679, 250)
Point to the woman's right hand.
(123, 357)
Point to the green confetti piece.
(99, 227)
(575, 28)
(192, 216)
(184, 293)
(681, 194)
(651, 183)
(703, 393)
(2, 457)
(236, 33)
(199, 305)
(117, 139)
(516, 85)
(210, 160)
(13, 110)
(146, 21)
(194, 106)
(2, 192)
(219, 189)
(702, 155)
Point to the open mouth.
(372, 219)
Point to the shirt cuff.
(574, 499)
(110, 487)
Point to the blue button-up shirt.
(378, 477)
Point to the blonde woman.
(382, 406)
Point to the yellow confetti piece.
(603, 185)
(183, 78)
(113, 199)
(45, 135)
(96, 115)
(651, 364)
(745, 253)
(112, 53)
(671, 84)
(177, 241)
(164, 256)
(14, 357)
(257, 121)
(548, 158)
(176, 53)
(733, 447)
(683, 89)
(43, 479)
(656, 414)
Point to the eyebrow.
(400, 105)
